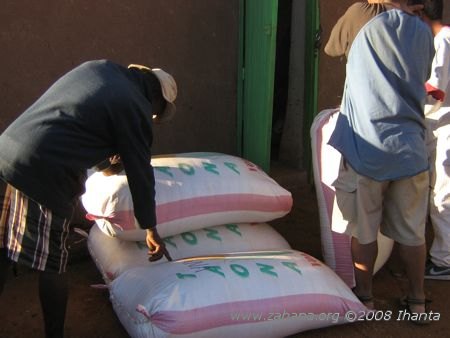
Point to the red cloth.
(436, 93)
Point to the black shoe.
(433, 271)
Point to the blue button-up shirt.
(380, 130)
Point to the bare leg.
(53, 294)
(414, 258)
(364, 256)
(5, 263)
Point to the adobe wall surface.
(196, 41)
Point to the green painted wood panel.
(312, 46)
(259, 35)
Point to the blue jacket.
(97, 110)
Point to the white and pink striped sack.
(335, 246)
(193, 191)
(260, 294)
(113, 256)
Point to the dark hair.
(432, 9)
(156, 97)
(154, 84)
(153, 90)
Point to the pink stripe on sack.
(251, 311)
(202, 206)
(344, 261)
(328, 192)
(222, 203)
(123, 219)
(341, 242)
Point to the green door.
(258, 42)
(312, 43)
(256, 73)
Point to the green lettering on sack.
(240, 270)
(292, 266)
(232, 166)
(215, 269)
(164, 170)
(213, 234)
(210, 167)
(264, 268)
(185, 275)
(186, 168)
(169, 241)
(189, 238)
(234, 228)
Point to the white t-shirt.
(440, 69)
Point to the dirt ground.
(90, 314)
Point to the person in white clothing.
(437, 112)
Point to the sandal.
(416, 317)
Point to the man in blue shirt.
(383, 179)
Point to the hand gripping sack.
(193, 191)
(271, 294)
(335, 246)
(113, 256)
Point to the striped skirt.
(32, 235)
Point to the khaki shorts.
(363, 206)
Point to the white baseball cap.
(168, 89)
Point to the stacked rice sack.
(232, 273)
(251, 295)
(335, 246)
(113, 256)
(193, 191)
